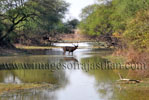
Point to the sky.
(76, 6)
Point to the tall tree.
(16, 14)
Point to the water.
(73, 84)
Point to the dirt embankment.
(25, 43)
(11, 51)
(4, 88)
(47, 39)
(135, 57)
(75, 37)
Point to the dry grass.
(15, 87)
(133, 56)
(34, 47)
(77, 37)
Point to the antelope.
(70, 49)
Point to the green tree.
(12, 13)
(73, 23)
(114, 16)
(137, 31)
(98, 22)
(110, 16)
(22, 15)
(87, 11)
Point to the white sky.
(76, 6)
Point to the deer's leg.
(64, 52)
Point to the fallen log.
(124, 80)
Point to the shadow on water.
(73, 84)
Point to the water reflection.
(72, 84)
(83, 44)
(31, 76)
(106, 83)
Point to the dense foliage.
(137, 32)
(127, 18)
(27, 17)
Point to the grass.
(15, 87)
(144, 85)
(34, 47)
(44, 47)
(115, 59)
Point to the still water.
(72, 84)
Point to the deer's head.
(76, 46)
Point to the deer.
(70, 49)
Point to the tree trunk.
(5, 41)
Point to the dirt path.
(76, 37)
